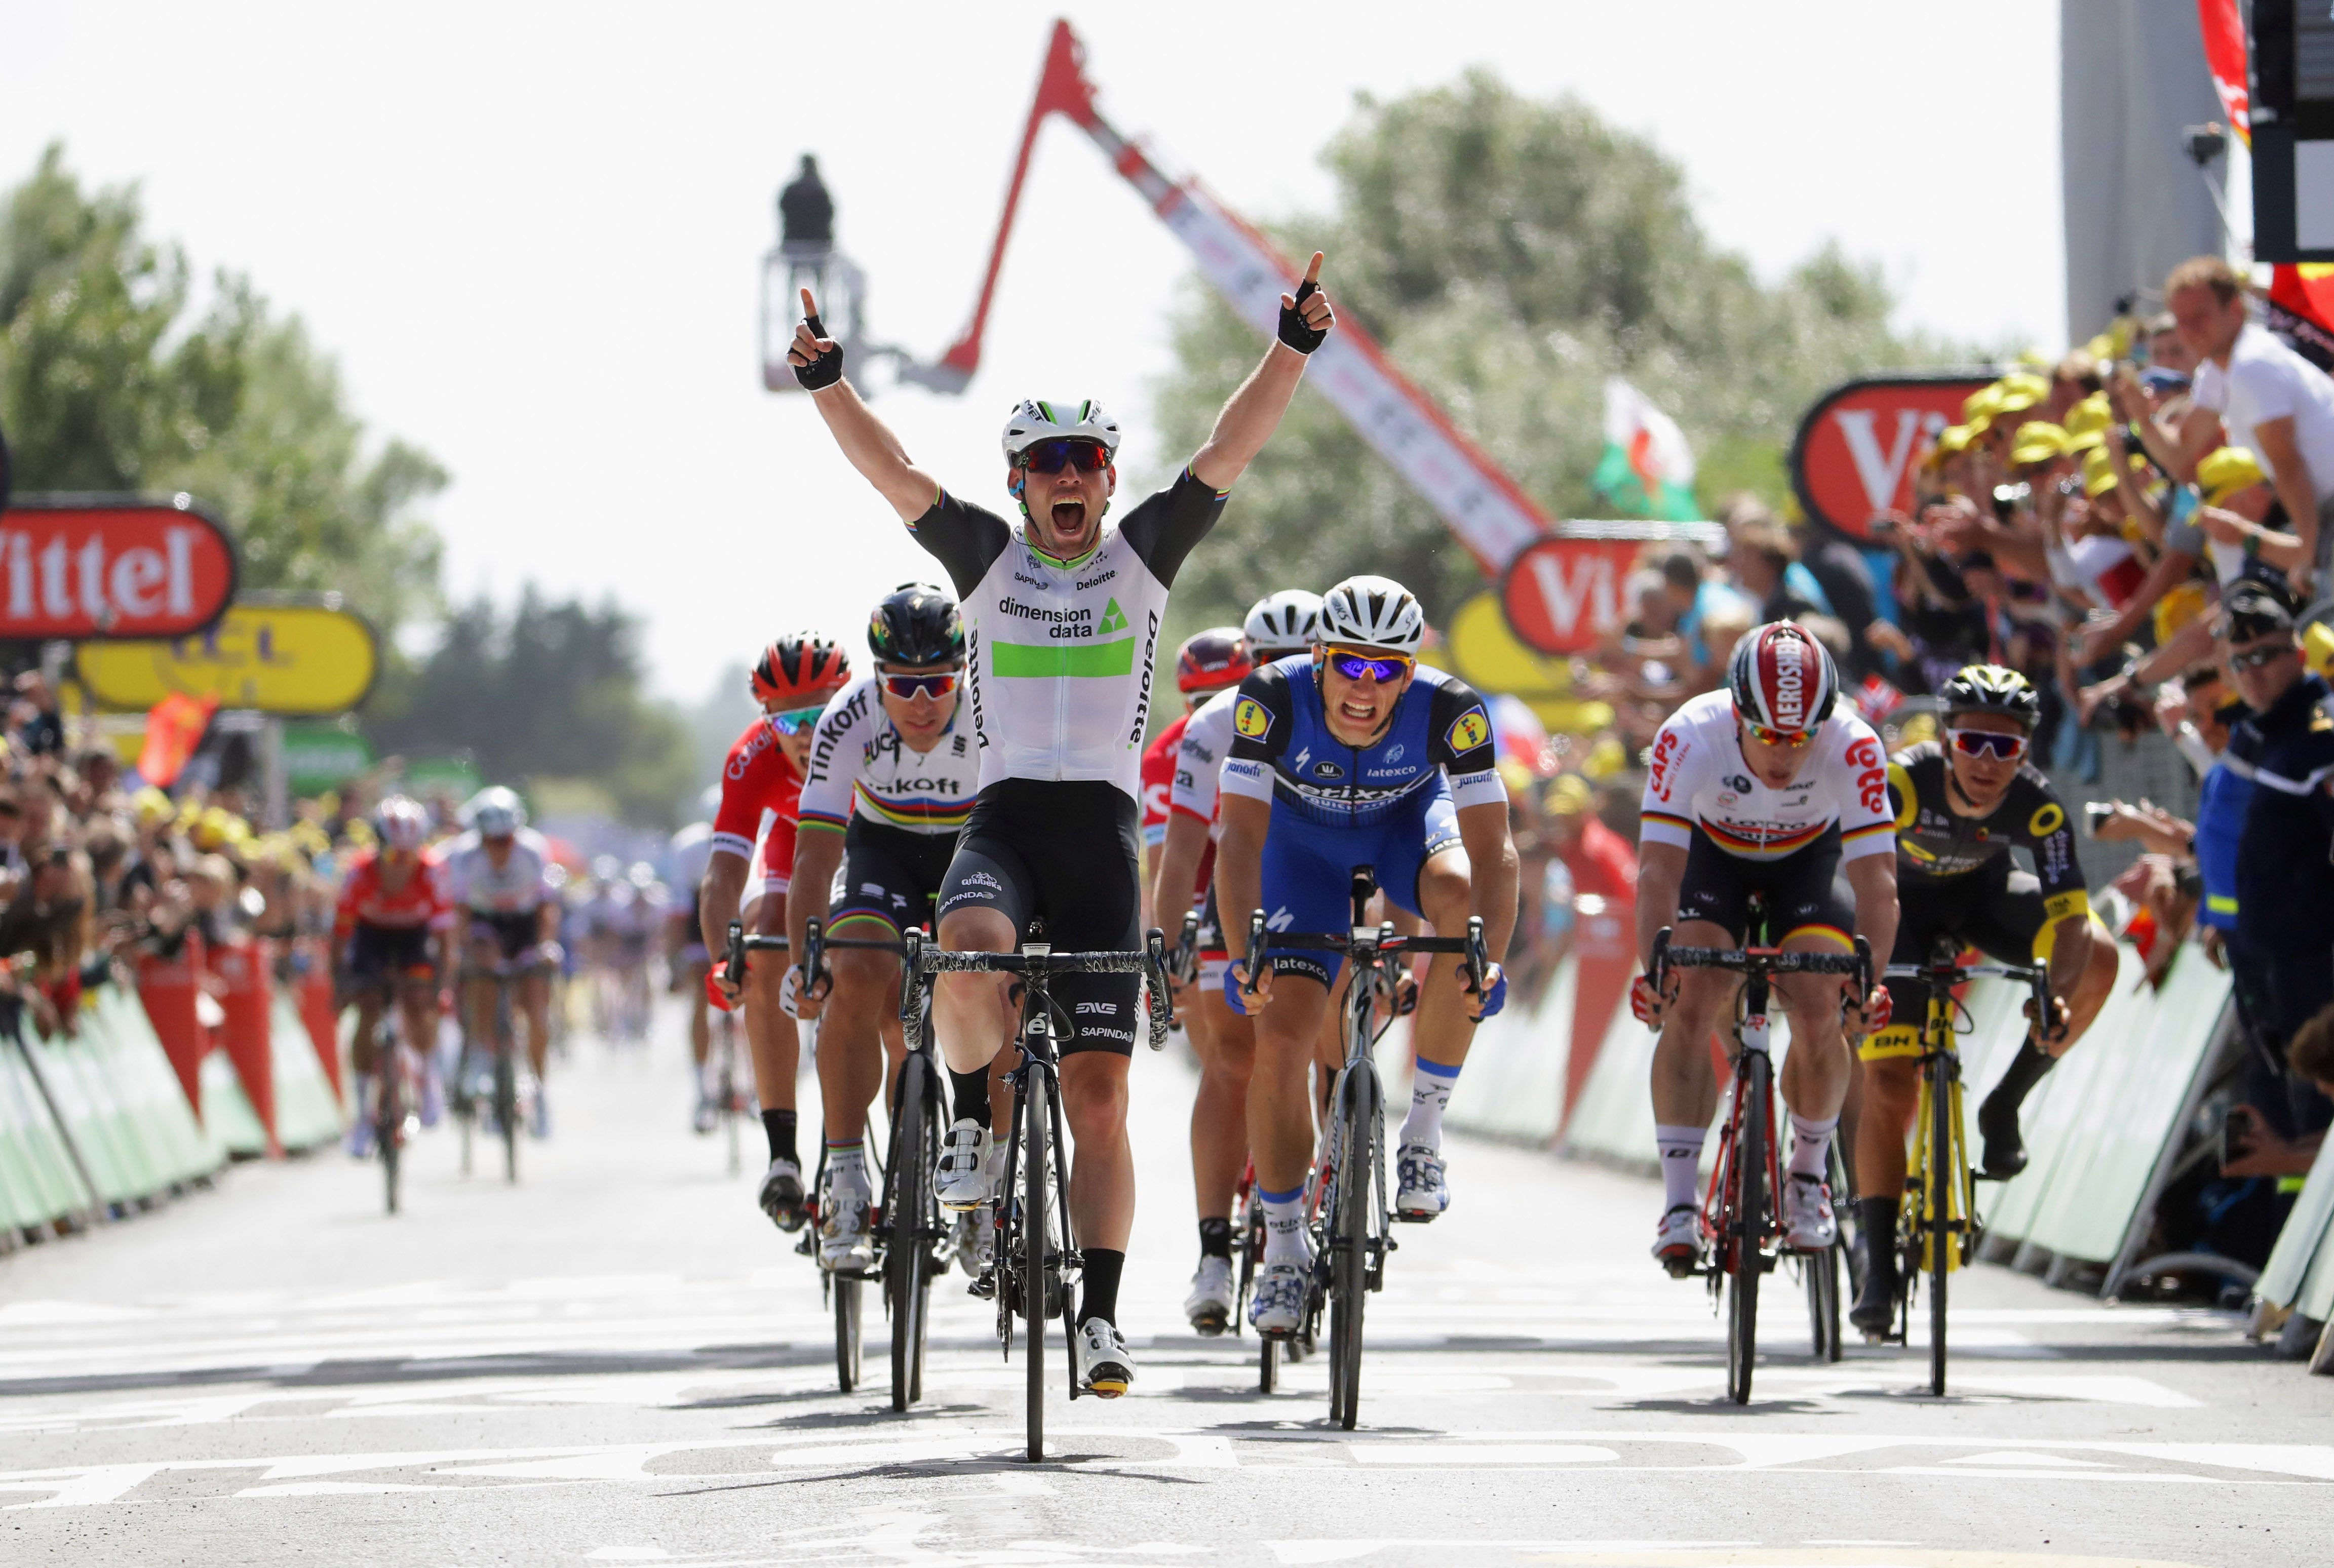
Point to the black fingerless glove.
(1292, 329)
(827, 369)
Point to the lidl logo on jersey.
(1470, 730)
(1252, 719)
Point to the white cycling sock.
(1810, 1141)
(846, 1164)
(1681, 1151)
(1430, 1092)
(1284, 1225)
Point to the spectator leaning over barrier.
(2268, 398)
(2283, 955)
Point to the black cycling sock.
(779, 1125)
(2027, 1069)
(1103, 1269)
(1216, 1238)
(970, 1090)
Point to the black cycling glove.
(1292, 329)
(827, 369)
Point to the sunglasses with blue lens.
(797, 720)
(1383, 668)
(1053, 457)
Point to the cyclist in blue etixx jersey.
(1764, 786)
(1062, 620)
(1355, 754)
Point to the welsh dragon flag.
(1648, 469)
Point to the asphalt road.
(620, 1361)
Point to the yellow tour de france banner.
(291, 659)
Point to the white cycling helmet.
(402, 822)
(1285, 622)
(1374, 612)
(494, 812)
(1033, 422)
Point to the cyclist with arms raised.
(498, 881)
(1279, 625)
(890, 781)
(1356, 754)
(1960, 804)
(1766, 785)
(1062, 619)
(754, 838)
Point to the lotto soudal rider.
(1770, 786)
(1356, 754)
(1960, 804)
(889, 784)
(748, 874)
(1062, 620)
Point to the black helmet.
(1992, 688)
(916, 623)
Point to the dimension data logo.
(1010, 606)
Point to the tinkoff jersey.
(1059, 653)
(859, 766)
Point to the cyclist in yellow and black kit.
(1961, 803)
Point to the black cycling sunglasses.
(1053, 457)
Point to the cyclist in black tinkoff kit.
(1061, 617)
(1961, 803)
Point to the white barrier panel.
(1513, 1083)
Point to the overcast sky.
(531, 235)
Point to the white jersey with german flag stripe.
(859, 765)
(1696, 777)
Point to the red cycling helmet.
(799, 670)
(1782, 679)
(1211, 660)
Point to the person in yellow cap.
(2229, 526)
(2039, 444)
(2087, 424)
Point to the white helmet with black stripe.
(1374, 612)
(1285, 622)
(1033, 422)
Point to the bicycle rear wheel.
(1746, 1226)
(506, 1104)
(847, 1331)
(1939, 1177)
(1821, 1272)
(389, 1119)
(1349, 1244)
(908, 1216)
(1251, 1246)
(1032, 1260)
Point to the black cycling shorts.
(1997, 909)
(1804, 890)
(1061, 853)
(511, 933)
(890, 877)
(381, 954)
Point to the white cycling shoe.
(962, 1178)
(1809, 1223)
(1276, 1304)
(1104, 1366)
(844, 1247)
(1209, 1304)
(1422, 1191)
(1677, 1241)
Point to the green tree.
(109, 382)
(549, 694)
(1511, 255)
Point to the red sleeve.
(744, 783)
(353, 891)
(1159, 760)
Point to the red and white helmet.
(1782, 679)
(403, 823)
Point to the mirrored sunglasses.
(905, 687)
(2255, 657)
(1988, 743)
(797, 720)
(1791, 738)
(1383, 668)
(1053, 457)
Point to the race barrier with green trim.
(2300, 1276)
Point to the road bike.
(1038, 1259)
(1348, 1189)
(1741, 1218)
(495, 1080)
(1938, 1226)
(904, 1223)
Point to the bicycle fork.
(1720, 1227)
(1940, 1069)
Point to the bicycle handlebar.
(1385, 940)
(1183, 963)
(1040, 958)
(2035, 977)
(1761, 961)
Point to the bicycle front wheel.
(389, 1125)
(1349, 1244)
(1745, 1227)
(506, 1106)
(1943, 1138)
(908, 1216)
(846, 1331)
(1033, 1196)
